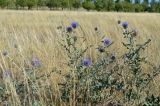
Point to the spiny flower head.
(5, 52)
(36, 62)
(125, 25)
(134, 33)
(59, 27)
(96, 28)
(119, 22)
(87, 62)
(107, 42)
(69, 29)
(101, 49)
(113, 57)
(7, 74)
(15, 46)
(75, 38)
(74, 24)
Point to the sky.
(132, 1)
(148, 0)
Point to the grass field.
(36, 34)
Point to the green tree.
(20, 3)
(118, 6)
(3, 3)
(138, 8)
(155, 7)
(40, 3)
(129, 1)
(30, 3)
(88, 5)
(137, 1)
(64, 4)
(146, 1)
(9, 3)
(145, 5)
(76, 4)
(69, 4)
(99, 5)
(127, 7)
(108, 5)
(53, 4)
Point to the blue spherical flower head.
(125, 25)
(5, 52)
(74, 25)
(87, 62)
(36, 62)
(107, 42)
(69, 29)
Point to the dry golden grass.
(36, 31)
(36, 34)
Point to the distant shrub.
(138, 8)
(127, 7)
(53, 4)
(30, 3)
(99, 5)
(20, 3)
(118, 7)
(3, 3)
(76, 4)
(88, 5)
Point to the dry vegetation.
(36, 34)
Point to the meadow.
(34, 34)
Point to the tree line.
(99, 5)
